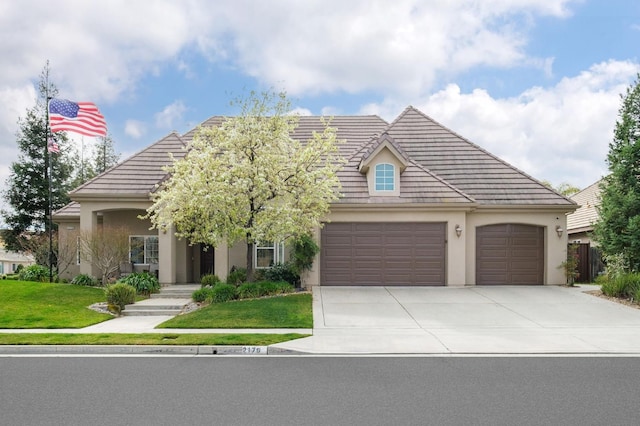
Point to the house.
(10, 260)
(579, 228)
(421, 205)
(580, 223)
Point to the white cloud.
(300, 111)
(560, 133)
(134, 128)
(170, 115)
(366, 45)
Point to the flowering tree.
(248, 179)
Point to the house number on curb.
(254, 350)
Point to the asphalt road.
(270, 390)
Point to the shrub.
(223, 293)
(36, 273)
(249, 291)
(19, 268)
(209, 280)
(237, 276)
(143, 282)
(84, 280)
(201, 295)
(303, 252)
(283, 272)
(119, 295)
(271, 288)
(623, 285)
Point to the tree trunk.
(249, 261)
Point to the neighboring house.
(9, 261)
(579, 228)
(580, 223)
(421, 206)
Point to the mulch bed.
(626, 302)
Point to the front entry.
(206, 260)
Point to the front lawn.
(291, 311)
(26, 304)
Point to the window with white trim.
(267, 254)
(143, 249)
(385, 177)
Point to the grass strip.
(172, 339)
(290, 311)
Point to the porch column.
(221, 261)
(88, 225)
(167, 256)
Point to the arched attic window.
(385, 177)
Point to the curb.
(139, 350)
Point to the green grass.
(43, 305)
(292, 311)
(145, 339)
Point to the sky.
(535, 82)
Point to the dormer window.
(385, 177)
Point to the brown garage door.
(509, 254)
(383, 254)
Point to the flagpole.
(49, 155)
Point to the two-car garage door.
(405, 254)
(402, 254)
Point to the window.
(78, 250)
(268, 254)
(143, 249)
(385, 177)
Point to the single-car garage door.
(383, 254)
(509, 254)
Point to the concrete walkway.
(469, 320)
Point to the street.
(269, 390)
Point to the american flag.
(79, 117)
(52, 146)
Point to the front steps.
(168, 302)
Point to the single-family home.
(420, 206)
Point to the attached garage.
(509, 254)
(390, 254)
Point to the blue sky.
(536, 82)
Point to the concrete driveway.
(469, 320)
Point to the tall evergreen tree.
(102, 157)
(618, 229)
(27, 190)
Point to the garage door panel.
(509, 254)
(383, 254)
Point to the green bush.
(624, 285)
(19, 268)
(84, 280)
(209, 280)
(237, 276)
(223, 293)
(119, 295)
(249, 291)
(283, 272)
(143, 282)
(202, 295)
(37, 273)
(271, 288)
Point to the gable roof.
(376, 145)
(465, 165)
(587, 214)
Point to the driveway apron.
(469, 320)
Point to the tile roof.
(442, 167)
(137, 175)
(465, 165)
(587, 214)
